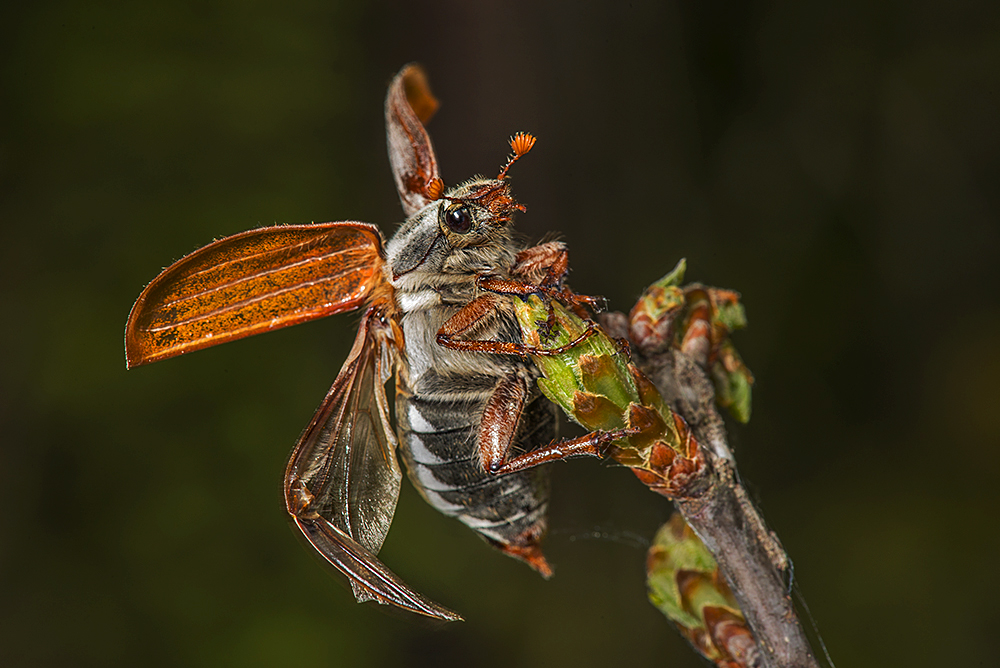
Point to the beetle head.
(465, 229)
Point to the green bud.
(594, 367)
(685, 585)
(729, 314)
(733, 382)
(665, 295)
(675, 276)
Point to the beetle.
(422, 304)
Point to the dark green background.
(836, 162)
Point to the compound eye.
(458, 219)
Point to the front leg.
(545, 264)
(518, 288)
(475, 314)
(540, 270)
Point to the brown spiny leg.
(594, 444)
(577, 302)
(497, 430)
(499, 422)
(473, 314)
(547, 293)
(499, 425)
(545, 264)
(519, 288)
(510, 286)
(552, 258)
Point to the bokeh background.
(835, 162)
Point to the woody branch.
(748, 554)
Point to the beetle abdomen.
(438, 441)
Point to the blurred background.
(831, 161)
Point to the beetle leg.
(497, 430)
(499, 425)
(471, 317)
(557, 270)
(522, 289)
(547, 294)
(543, 268)
(559, 350)
(546, 264)
(576, 302)
(594, 444)
(499, 422)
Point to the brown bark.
(749, 555)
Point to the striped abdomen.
(439, 406)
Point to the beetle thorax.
(434, 259)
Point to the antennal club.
(520, 144)
(434, 189)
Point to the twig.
(748, 554)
